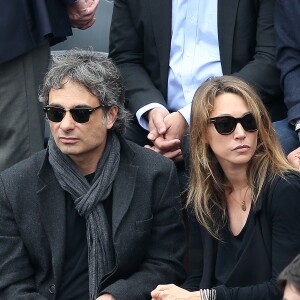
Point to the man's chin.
(69, 149)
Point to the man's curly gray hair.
(93, 70)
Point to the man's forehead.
(72, 94)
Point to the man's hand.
(294, 158)
(173, 292)
(157, 126)
(176, 125)
(168, 143)
(106, 297)
(81, 13)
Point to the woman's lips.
(241, 148)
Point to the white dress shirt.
(194, 55)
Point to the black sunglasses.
(79, 115)
(227, 124)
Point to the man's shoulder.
(147, 157)
(25, 167)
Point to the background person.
(166, 49)
(287, 14)
(28, 29)
(92, 216)
(289, 280)
(244, 196)
(286, 20)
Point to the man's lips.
(68, 140)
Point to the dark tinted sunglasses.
(79, 115)
(227, 124)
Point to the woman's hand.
(173, 292)
(106, 297)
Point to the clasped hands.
(173, 292)
(165, 132)
(81, 13)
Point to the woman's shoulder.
(287, 179)
(283, 191)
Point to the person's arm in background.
(261, 71)
(287, 15)
(126, 48)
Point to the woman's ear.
(206, 138)
(266, 122)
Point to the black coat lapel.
(124, 185)
(53, 216)
(227, 10)
(123, 189)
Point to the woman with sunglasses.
(244, 198)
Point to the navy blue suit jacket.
(287, 14)
(28, 24)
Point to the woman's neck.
(237, 179)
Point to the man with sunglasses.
(92, 216)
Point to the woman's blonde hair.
(206, 190)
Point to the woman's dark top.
(271, 240)
(230, 249)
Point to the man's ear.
(111, 116)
